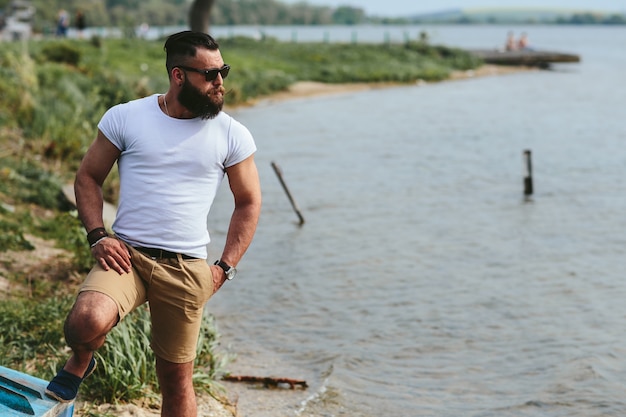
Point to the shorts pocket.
(200, 282)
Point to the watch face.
(228, 270)
(230, 274)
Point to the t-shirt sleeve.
(111, 125)
(241, 144)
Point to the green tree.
(346, 15)
(615, 19)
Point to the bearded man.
(172, 150)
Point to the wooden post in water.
(528, 178)
(279, 174)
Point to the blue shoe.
(64, 386)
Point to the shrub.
(18, 88)
(39, 187)
(32, 333)
(30, 183)
(62, 53)
(68, 232)
(11, 237)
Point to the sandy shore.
(207, 405)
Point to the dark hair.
(182, 45)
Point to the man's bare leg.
(179, 397)
(93, 316)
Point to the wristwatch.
(228, 270)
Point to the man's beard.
(199, 104)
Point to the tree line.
(593, 19)
(132, 13)
(119, 13)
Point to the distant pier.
(527, 57)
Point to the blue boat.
(23, 395)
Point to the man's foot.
(64, 386)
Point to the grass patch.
(32, 333)
(59, 89)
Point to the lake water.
(423, 283)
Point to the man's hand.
(111, 253)
(219, 277)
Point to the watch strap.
(228, 270)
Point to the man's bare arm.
(93, 170)
(245, 186)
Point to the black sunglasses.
(209, 74)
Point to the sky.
(395, 8)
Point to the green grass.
(32, 333)
(57, 90)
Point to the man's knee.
(92, 315)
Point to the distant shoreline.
(311, 89)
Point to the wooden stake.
(528, 178)
(279, 173)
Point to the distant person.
(510, 44)
(63, 21)
(81, 24)
(144, 28)
(522, 43)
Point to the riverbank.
(310, 89)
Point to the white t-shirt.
(170, 170)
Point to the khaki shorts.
(176, 291)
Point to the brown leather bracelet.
(96, 234)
